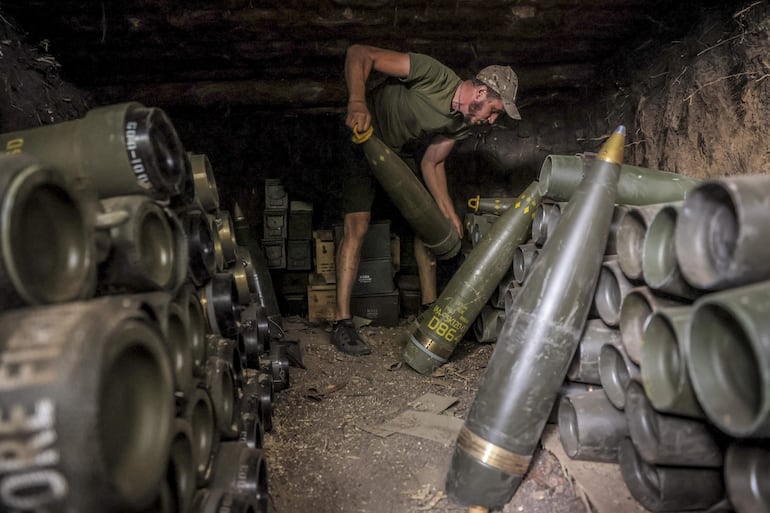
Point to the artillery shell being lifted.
(412, 199)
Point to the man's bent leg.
(426, 269)
(344, 335)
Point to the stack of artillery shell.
(561, 174)
(135, 345)
(536, 345)
(547, 217)
(680, 348)
(688, 365)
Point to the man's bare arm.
(360, 60)
(434, 173)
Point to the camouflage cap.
(504, 81)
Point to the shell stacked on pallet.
(678, 341)
(137, 364)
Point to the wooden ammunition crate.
(321, 302)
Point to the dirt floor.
(327, 454)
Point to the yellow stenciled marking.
(517, 205)
(14, 146)
(526, 210)
(443, 329)
(382, 158)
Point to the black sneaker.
(346, 339)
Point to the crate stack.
(375, 296)
(322, 286)
(300, 230)
(275, 224)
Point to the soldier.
(421, 97)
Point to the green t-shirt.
(406, 109)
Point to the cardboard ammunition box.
(276, 197)
(274, 224)
(375, 276)
(321, 302)
(299, 256)
(381, 309)
(275, 253)
(300, 220)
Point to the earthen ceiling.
(289, 54)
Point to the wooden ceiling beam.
(301, 93)
(265, 24)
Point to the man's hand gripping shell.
(358, 119)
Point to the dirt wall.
(703, 104)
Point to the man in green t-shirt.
(422, 98)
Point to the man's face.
(483, 110)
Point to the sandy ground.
(324, 455)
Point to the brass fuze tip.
(612, 149)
